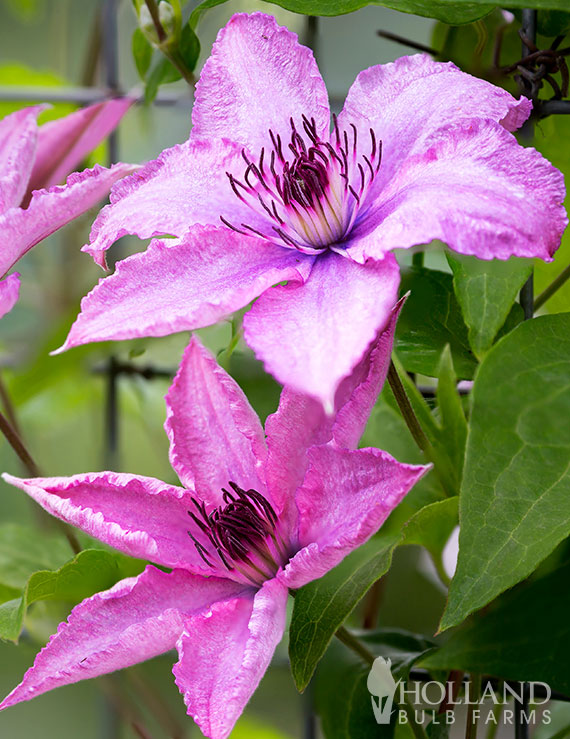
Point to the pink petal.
(18, 141)
(310, 336)
(195, 282)
(474, 188)
(64, 143)
(257, 78)
(225, 652)
(406, 101)
(215, 435)
(187, 184)
(345, 497)
(300, 421)
(9, 291)
(51, 209)
(137, 619)
(140, 516)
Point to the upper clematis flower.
(420, 151)
(256, 516)
(33, 163)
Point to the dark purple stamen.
(242, 532)
(314, 195)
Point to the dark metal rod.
(521, 712)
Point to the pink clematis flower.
(420, 151)
(256, 516)
(33, 162)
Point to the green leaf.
(515, 497)
(452, 434)
(24, 549)
(323, 605)
(431, 319)
(200, 9)
(162, 73)
(142, 52)
(431, 526)
(525, 636)
(91, 571)
(189, 47)
(342, 698)
(460, 11)
(486, 291)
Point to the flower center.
(243, 534)
(310, 198)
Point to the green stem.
(153, 10)
(349, 640)
(175, 58)
(407, 411)
(552, 288)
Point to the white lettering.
(402, 718)
(508, 716)
(435, 700)
(527, 718)
(533, 699)
(450, 717)
(546, 717)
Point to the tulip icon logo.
(381, 684)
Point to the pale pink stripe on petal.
(140, 516)
(345, 497)
(258, 77)
(207, 275)
(51, 209)
(215, 435)
(310, 336)
(139, 618)
(9, 291)
(64, 143)
(224, 652)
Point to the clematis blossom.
(256, 515)
(420, 151)
(34, 161)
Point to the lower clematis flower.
(421, 151)
(33, 162)
(256, 516)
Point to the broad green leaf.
(431, 319)
(431, 526)
(525, 636)
(403, 648)
(142, 52)
(515, 497)
(24, 550)
(91, 571)
(460, 11)
(551, 137)
(486, 291)
(323, 605)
